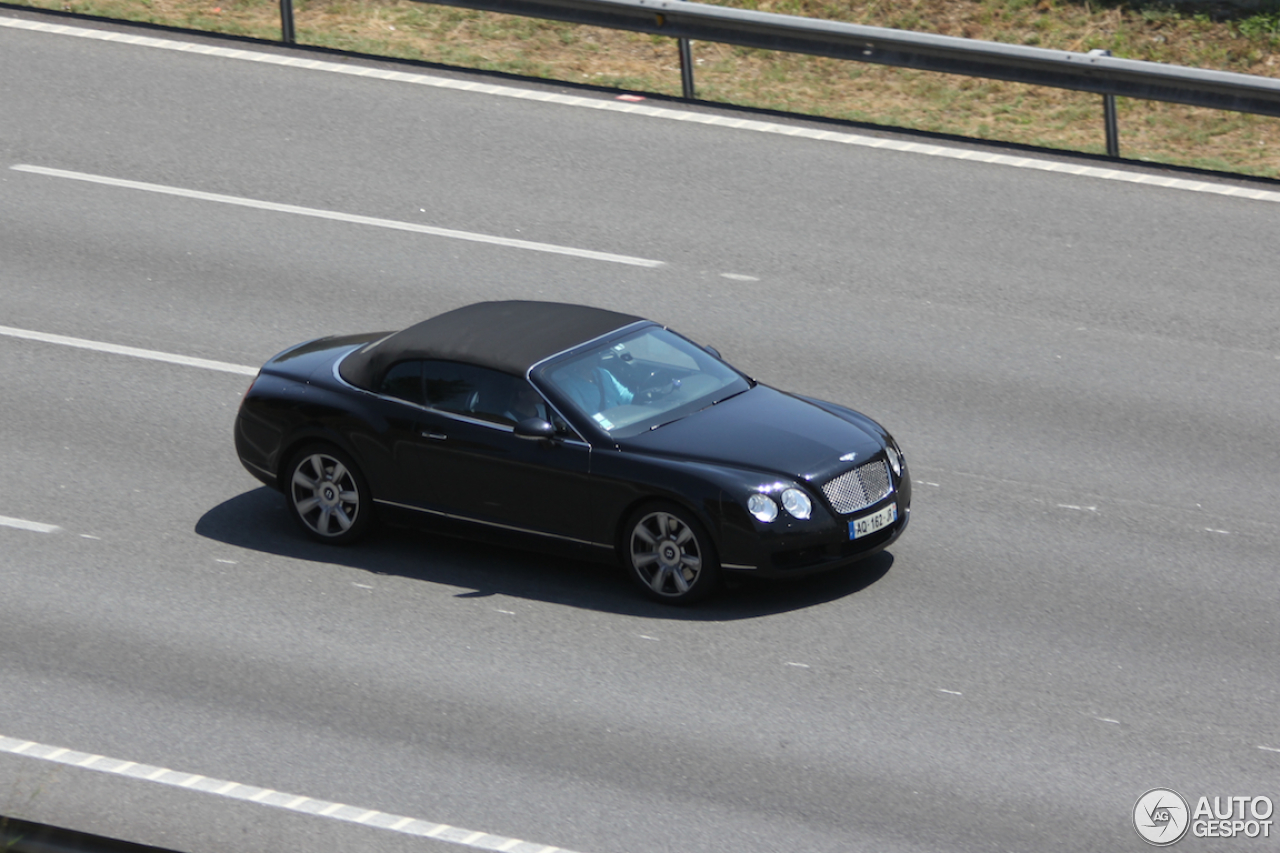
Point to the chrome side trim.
(267, 471)
(454, 415)
(338, 376)
(737, 567)
(468, 518)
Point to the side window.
(445, 387)
(476, 392)
(403, 380)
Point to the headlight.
(895, 457)
(762, 507)
(797, 503)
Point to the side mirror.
(535, 428)
(713, 351)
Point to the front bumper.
(789, 548)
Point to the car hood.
(765, 429)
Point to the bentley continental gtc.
(566, 427)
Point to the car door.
(393, 413)
(469, 463)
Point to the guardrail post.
(1109, 114)
(286, 22)
(1113, 128)
(686, 69)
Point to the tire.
(327, 495)
(669, 555)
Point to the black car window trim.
(573, 438)
(494, 425)
(467, 419)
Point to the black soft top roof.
(506, 336)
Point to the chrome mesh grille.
(859, 488)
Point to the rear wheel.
(327, 495)
(669, 554)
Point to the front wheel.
(669, 554)
(327, 495)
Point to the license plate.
(871, 523)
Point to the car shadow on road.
(258, 521)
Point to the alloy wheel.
(325, 495)
(666, 554)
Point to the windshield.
(641, 381)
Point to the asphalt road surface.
(1083, 374)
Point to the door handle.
(435, 436)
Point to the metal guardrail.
(1097, 72)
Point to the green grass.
(1213, 36)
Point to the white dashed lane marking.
(135, 352)
(277, 799)
(23, 524)
(354, 219)
(643, 109)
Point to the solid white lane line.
(599, 103)
(135, 352)
(248, 793)
(336, 216)
(23, 524)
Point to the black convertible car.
(572, 427)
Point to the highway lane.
(1062, 628)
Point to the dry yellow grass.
(984, 109)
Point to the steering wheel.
(656, 392)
